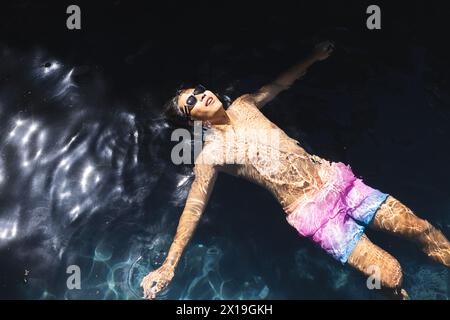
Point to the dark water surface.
(85, 171)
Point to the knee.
(424, 226)
(423, 229)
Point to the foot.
(404, 295)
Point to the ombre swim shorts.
(336, 215)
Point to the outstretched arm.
(287, 78)
(197, 199)
(195, 204)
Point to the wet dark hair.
(176, 117)
(173, 113)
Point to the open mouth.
(209, 101)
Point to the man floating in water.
(323, 200)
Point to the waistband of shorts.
(331, 175)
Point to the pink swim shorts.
(336, 215)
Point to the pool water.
(86, 177)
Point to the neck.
(221, 119)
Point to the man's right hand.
(157, 280)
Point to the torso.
(261, 152)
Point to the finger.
(159, 287)
(147, 290)
(153, 294)
(149, 294)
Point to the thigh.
(367, 257)
(396, 218)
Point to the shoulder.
(247, 100)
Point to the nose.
(203, 97)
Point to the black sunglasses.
(191, 101)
